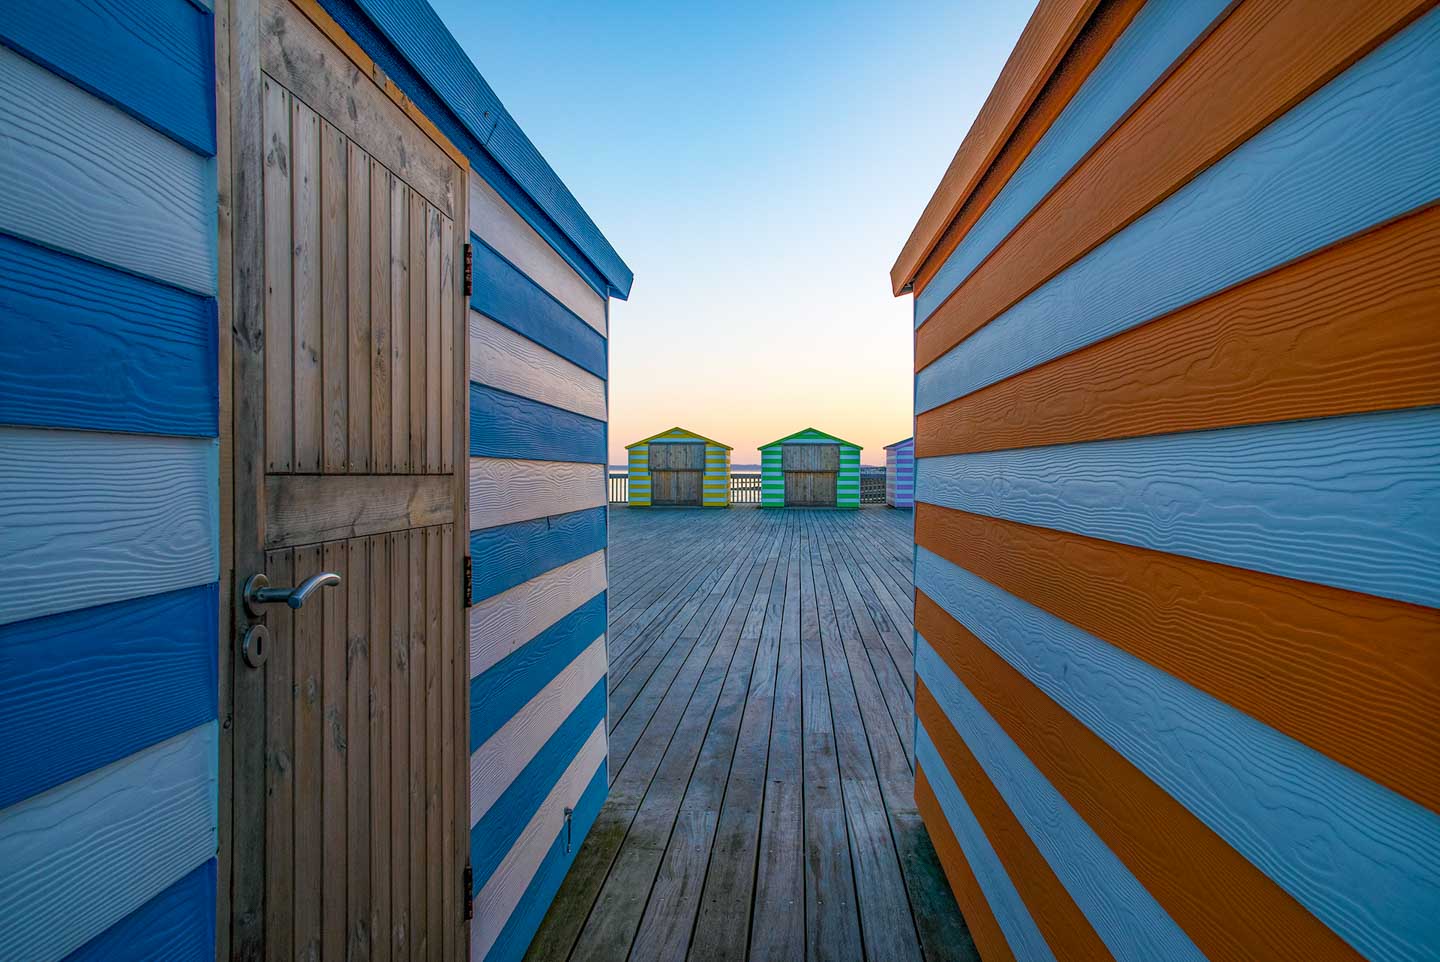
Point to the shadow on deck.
(761, 802)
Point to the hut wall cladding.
(1178, 545)
(715, 483)
(772, 469)
(900, 474)
(109, 493)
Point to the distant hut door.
(347, 799)
(676, 473)
(810, 474)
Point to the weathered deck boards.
(762, 805)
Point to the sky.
(758, 165)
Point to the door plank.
(359, 240)
(400, 744)
(334, 297)
(381, 438)
(334, 851)
(279, 338)
(382, 640)
(415, 784)
(435, 644)
(309, 766)
(448, 874)
(448, 372)
(306, 275)
(416, 347)
(280, 769)
(434, 377)
(303, 509)
(400, 325)
(358, 640)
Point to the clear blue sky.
(759, 167)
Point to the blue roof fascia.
(408, 40)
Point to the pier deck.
(761, 801)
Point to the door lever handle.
(258, 591)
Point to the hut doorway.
(811, 472)
(676, 471)
(348, 790)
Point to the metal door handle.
(258, 591)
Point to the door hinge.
(469, 270)
(469, 581)
(469, 882)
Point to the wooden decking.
(760, 750)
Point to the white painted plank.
(494, 765)
(497, 900)
(504, 622)
(496, 223)
(501, 358)
(506, 490)
(80, 857)
(82, 176)
(92, 518)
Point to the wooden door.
(811, 471)
(349, 789)
(676, 472)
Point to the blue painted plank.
(80, 175)
(85, 688)
(494, 835)
(86, 854)
(448, 75)
(1014, 919)
(1352, 502)
(504, 688)
(1360, 151)
(504, 425)
(86, 346)
(1161, 32)
(1362, 859)
(178, 925)
(504, 293)
(154, 59)
(515, 938)
(1122, 911)
(94, 518)
(512, 554)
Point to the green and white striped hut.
(810, 469)
(679, 467)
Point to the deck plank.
(762, 799)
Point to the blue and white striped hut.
(900, 474)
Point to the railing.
(745, 488)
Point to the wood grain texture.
(497, 224)
(1153, 41)
(305, 61)
(435, 374)
(96, 518)
(148, 204)
(360, 237)
(1300, 499)
(1350, 675)
(1247, 73)
(1348, 329)
(122, 834)
(89, 347)
(334, 298)
(381, 432)
(416, 351)
(279, 320)
(85, 688)
(1106, 24)
(1228, 907)
(503, 623)
(153, 60)
(495, 764)
(307, 294)
(505, 491)
(1123, 912)
(503, 359)
(303, 509)
(400, 323)
(1062, 923)
(1049, 33)
(998, 889)
(1279, 799)
(278, 730)
(979, 917)
(504, 425)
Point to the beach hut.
(262, 263)
(900, 474)
(810, 469)
(679, 468)
(1175, 310)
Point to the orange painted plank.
(1093, 42)
(1350, 329)
(1066, 929)
(1049, 34)
(1229, 908)
(1351, 675)
(973, 906)
(1244, 75)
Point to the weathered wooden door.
(676, 473)
(811, 471)
(349, 710)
